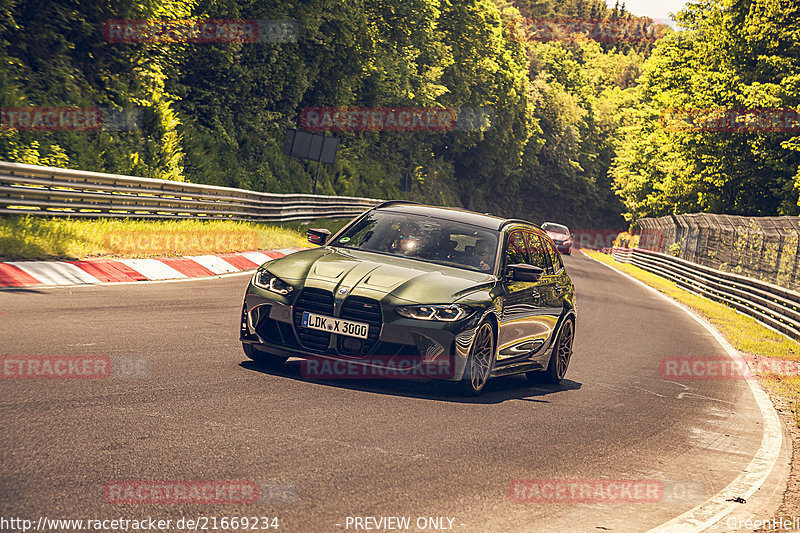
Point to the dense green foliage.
(216, 113)
(734, 55)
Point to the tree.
(735, 58)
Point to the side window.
(537, 252)
(515, 253)
(555, 258)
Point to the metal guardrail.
(774, 306)
(39, 190)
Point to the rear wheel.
(559, 361)
(480, 361)
(260, 357)
(557, 368)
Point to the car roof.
(483, 220)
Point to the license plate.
(335, 325)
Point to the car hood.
(376, 275)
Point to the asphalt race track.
(197, 409)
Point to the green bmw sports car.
(408, 290)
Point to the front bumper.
(564, 248)
(271, 323)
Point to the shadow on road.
(498, 390)
(21, 290)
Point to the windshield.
(555, 228)
(424, 238)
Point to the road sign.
(311, 146)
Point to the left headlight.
(444, 313)
(270, 282)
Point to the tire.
(480, 361)
(262, 358)
(559, 360)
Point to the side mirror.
(318, 236)
(523, 272)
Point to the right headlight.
(443, 313)
(266, 280)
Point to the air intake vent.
(364, 310)
(314, 301)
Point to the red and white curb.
(96, 271)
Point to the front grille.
(314, 301)
(364, 310)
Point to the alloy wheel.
(564, 350)
(481, 358)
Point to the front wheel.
(562, 353)
(480, 361)
(265, 359)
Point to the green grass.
(38, 238)
(743, 332)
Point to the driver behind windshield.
(406, 243)
(481, 255)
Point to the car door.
(552, 285)
(522, 330)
